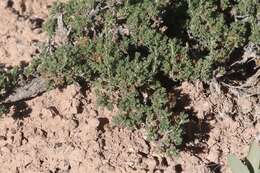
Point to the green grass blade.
(236, 165)
(254, 157)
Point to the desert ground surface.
(62, 131)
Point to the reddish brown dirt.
(20, 29)
(218, 133)
(62, 131)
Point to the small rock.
(213, 155)
(93, 123)
(227, 106)
(151, 163)
(75, 106)
(245, 104)
(73, 123)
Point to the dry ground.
(62, 131)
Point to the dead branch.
(35, 87)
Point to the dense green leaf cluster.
(8, 80)
(63, 66)
(221, 27)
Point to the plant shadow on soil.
(21, 110)
(195, 129)
(213, 167)
(196, 132)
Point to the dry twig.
(35, 87)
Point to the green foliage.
(214, 30)
(248, 12)
(9, 79)
(252, 164)
(75, 16)
(64, 65)
(3, 110)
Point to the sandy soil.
(62, 131)
(20, 29)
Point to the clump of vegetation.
(8, 80)
(130, 51)
(3, 110)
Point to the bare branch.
(35, 87)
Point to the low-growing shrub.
(130, 51)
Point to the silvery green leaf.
(236, 165)
(254, 157)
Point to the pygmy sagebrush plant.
(130, 51)
(121, 51)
